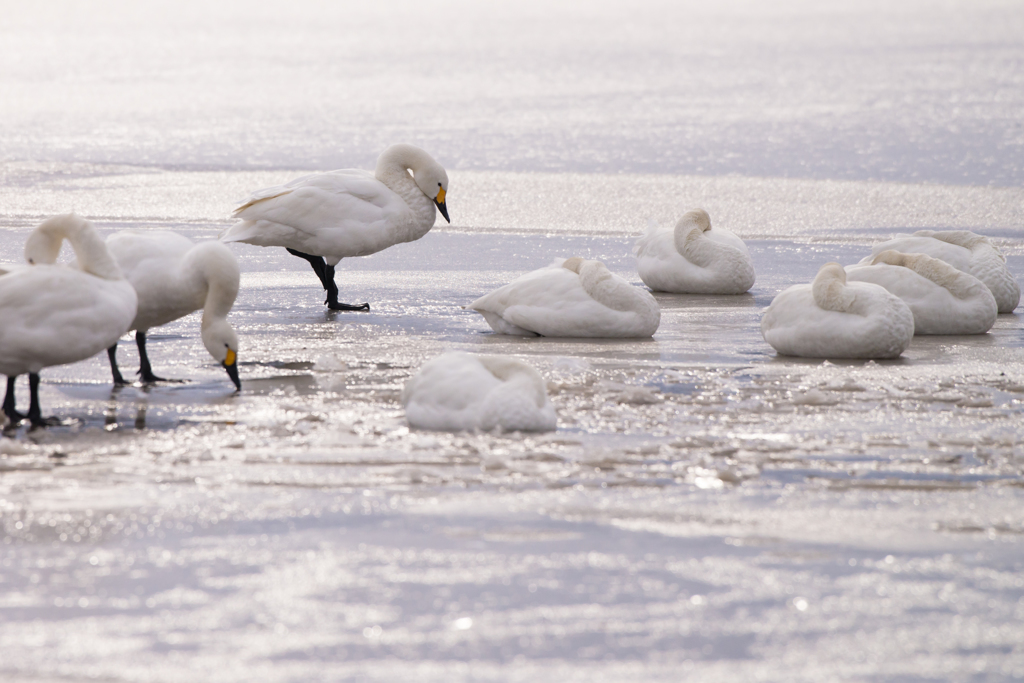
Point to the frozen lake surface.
(705, 511)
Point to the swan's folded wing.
(315, 201)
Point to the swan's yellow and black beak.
(439, 200)
(231, 366)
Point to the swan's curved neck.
(395, 163)
(830, 291)
(690, 242)
(599, 283)
(938, 271)
(44, 244)
(393, 168)
(960, 238)
(213, 268)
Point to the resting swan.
(693, 258)
(174, 277)
(458, 391)
(966, 251)
(57, 314)
(326, 217)
(944, 300)
(831, 318)
(570, 298)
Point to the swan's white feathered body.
(459, 391)
(966, 251)
(694, 258)
(943, 299)
(347, 212)
(831, 318)
(570, 298)
(174, 276)
(56, 314)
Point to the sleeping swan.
(458, 391)
(570, 298)
(694, 259)
(326, 217)
(966, 251)
(944, 300)
(833, 319)
(57, 314)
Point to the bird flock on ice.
(931, 282)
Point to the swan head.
(220, 340)
(574, 264)
(433, 182)
(44, 243)
(428, 175)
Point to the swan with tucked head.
(174, 277)
(459, 391)
(326, 217)
(964, 250)
(833, 318)
(570, 298)
(56, 314)
(693, 258)
(944, 300)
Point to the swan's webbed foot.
(147, 377)
(40, 422)
(337, 306)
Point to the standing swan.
(966, 251)
(326, 217)
(56, 314)
(694, 259)
(835, 319)
(570, 298)
(173, 277)
(944, 300)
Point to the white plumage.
(944, 300)
(831, 318)
(326, 217)
(694, 258)
(56, 314)
(966, 251)
(459, 391)
(173, 277)
(570, 298)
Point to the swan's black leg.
(326, 275)
(13, 415)
(145, 369)
(112, 355)
(35, 415)
(332, 294)
(316, 261)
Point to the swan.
(832, 318)
(570, 298)
(55, 314)
(459, 391)
(966, 251)
(173, 277)
(944, 300)
(694, 259)
(326, 217)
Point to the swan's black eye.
(439, 184)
